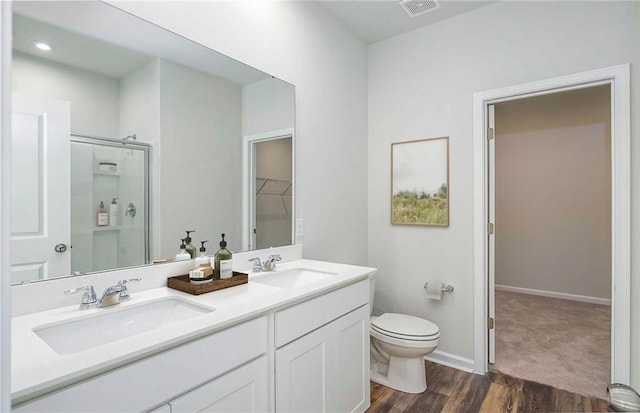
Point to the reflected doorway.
(271, 190)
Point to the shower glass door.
(103, 170)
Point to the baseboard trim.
(553, 294)
(451, 360)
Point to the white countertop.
(37, 369)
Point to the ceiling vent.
(415, 8)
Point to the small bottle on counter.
(223, 267)
(183, 255)
(191, 250)
(203, 260)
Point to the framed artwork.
(420, 182)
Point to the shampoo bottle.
(102, 217)
(182, 255)
(114, 213)
(203, 260)
(191, 250)
(223, 264)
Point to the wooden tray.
(182, 283)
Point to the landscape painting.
(420, 182)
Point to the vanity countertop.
(37, 369)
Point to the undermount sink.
(108, 325)
(291, 278)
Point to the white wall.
(93, 97)
(201, 139)
(83, 211)
(139, 104)
(553, 193)
(421, 85)
(140, 115)
(267, 105)
(303, 45)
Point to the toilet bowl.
(399, 343)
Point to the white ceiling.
(74, 49)
(99, 37)
(375, 20)
(107, 41)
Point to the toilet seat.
(404, 327)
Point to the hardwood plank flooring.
(454, 391)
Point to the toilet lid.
(404, 325)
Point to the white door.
(40, 199)
(491, 231)
(304, 379)
(243, 390)
(326, 370)
(352, 344)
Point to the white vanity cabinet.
(242, 390)
(324, 369)
(152, 381)
(305, 354)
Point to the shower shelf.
(106, 173)
(107, 228)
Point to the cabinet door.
(326, 370)
(242, 390)
(303, 382)
(351, 333)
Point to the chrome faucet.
(89, 299)
(112, 295)
(268, 265)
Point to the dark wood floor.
(454, 391)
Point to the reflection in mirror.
(113, 174)
(183, 137)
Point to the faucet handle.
(88, 295)
(275, 257)
(257, 264)
(124, 292)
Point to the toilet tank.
(372, 291)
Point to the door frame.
(5, 204)
(618, 77)
(248, 183)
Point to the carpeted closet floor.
(562, 343)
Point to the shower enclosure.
(103, 170)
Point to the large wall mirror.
(125, 135)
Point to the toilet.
(399, 343)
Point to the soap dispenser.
(191, 250)
(223, 264)
(102, 218)
(183, 255)
(114, 213)
(203, 260)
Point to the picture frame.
(420, 189)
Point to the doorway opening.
(617, 78)
(550, 199)
(269, 182)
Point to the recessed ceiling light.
(42, 45)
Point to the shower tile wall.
(98, 248)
